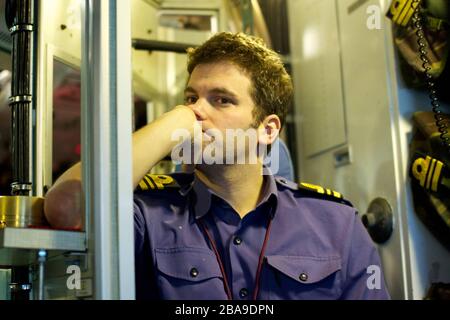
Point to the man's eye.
(222, 100)
(190, 100)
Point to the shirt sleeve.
(364, 275)
(144, 271)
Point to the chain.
(440, 121)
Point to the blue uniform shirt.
(316, 248)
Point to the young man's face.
(219, 94)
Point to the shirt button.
(237, 241)
(303, 277)
(194, 272)
(243, 293)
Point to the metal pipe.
(20, 21)
(19, 16)
(155, 45)
(42, 258)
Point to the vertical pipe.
(42, 257)
(20, 19)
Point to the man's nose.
(199, 109)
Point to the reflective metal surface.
(22, 212)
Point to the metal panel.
(318, 89)
(374, 172)
(19, 238)
(106, 140)
(123, 109)
(372, 169)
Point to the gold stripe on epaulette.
(142, 185)
(428, 172)
(337, 194)
(321, 190)
(148, 179)
(156, 182)
(318, 189)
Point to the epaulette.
(314, 190)
(432, 174)
(324, 193)
(157, 182)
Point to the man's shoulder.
(159, 196)
(303, 190)
(161, 191)
(318, 217)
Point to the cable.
(440, 121)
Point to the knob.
(379, 220)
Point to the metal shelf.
(17, 245)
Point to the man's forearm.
(154, 141)
(63, 204)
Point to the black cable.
(440, 121)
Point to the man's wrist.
(185, 118)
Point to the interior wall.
(378, 109)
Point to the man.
(227, 231)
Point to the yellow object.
(156, 181)
(427, 171)
(22, 212)
(321, 190)
(401, 11)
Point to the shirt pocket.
(188, 273)
(298, 277)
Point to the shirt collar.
(203, 195)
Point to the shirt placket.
(244, 249)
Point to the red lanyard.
(221, 265)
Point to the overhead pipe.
(156, 45)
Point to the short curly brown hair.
(272, 88)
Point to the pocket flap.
(305, 269)
(192, 264)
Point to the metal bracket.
(19, 99)
(17, 186)
(21, 28)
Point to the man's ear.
(269, 129)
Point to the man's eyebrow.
(214, 90)
(189, 89)
(224, 91)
